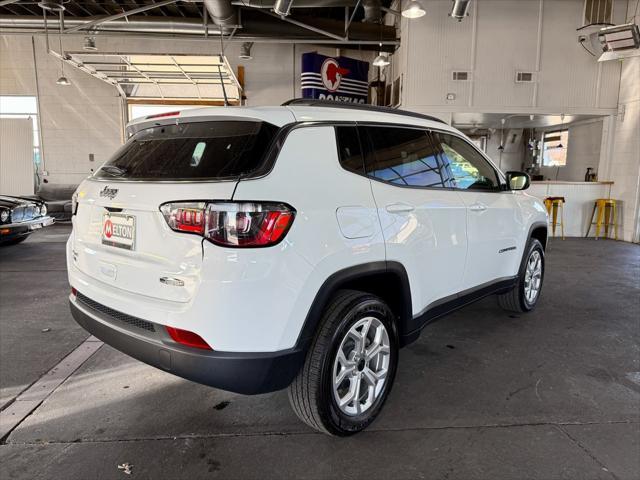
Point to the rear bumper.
(15, 230)
(246, 373)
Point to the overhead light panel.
(413, 9)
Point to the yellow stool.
(554, 204)
(607, 216)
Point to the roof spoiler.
(310, 102)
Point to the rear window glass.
(199, 150)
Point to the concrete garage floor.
(482, 395)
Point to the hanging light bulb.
(501, 147)
(62, 80)
(413, 9)
(381, 61)
(562, 125)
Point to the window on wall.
(554, 148)
(23, 106)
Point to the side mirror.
(518, 180)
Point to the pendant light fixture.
(413, 9)
(501, 147)
(64, 81)
(561, 128)
(381, 60)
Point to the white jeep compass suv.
(253, 249)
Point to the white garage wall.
(623, 166)
(86, 117)
(497, 39)
(16, 156)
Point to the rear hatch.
(121, 238)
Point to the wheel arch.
(387, 280)
(538, 230)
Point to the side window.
(467, 168)
(404, 156)
(349, 149)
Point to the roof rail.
(310, 102)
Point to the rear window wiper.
(113, 170)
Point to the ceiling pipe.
(282, 7)
(372, 11)
(254, 29)
(460, 9)
(222, 13)
(270, 4)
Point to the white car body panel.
(257, 299)
(424, 230)
(317, 193)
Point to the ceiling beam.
(117, 16)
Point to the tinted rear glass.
(201, 150)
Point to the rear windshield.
(199, 150)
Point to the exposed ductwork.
(372, 11)
(256, 27)
(460, 9)
(222, 13)
(271, 4)
(282, 7)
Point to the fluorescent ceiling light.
(413, 9)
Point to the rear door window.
(192, 151)
(404, 156)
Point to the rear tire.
(328, 392)
(524, 296)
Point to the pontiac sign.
(340, 79)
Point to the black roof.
(309, 102)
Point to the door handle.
(400, 208)
(478, 207)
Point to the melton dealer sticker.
(119, 230)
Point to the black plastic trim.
(309, 102)
(248, 373)
(337, 281)
(447, 305)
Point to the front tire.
(524, 296)
(350, 367)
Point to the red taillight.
(231, 224)
(74, 292)
(190, 220)
(187, 338)
(160, 115)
